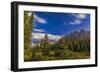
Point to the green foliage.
(27, 29)
(27, 35)
(64, 48)
(28, 54)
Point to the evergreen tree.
(28, 17)
(44, 42)
(28, 29)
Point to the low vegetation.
(65, 48)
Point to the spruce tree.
(28, 17)
(28, 29)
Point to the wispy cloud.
(80, 16)
(39, 19)
(55, 37)
(38, 30)
(41, 36)
(76, 21)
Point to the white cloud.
(39, 30)
(41, 36)
(80, 16)
(39, 19)
(55, 37)
(38, 35)
(76, 21)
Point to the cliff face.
(79, 34)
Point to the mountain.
(37, 37)
(79, 34)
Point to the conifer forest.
(74, 45)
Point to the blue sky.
(60, 23)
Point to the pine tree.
(44, 41)
(45, 44)
(28, 18)
(46, 38)
(27, 29)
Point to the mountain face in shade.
(79, 34)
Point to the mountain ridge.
(78, 34)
